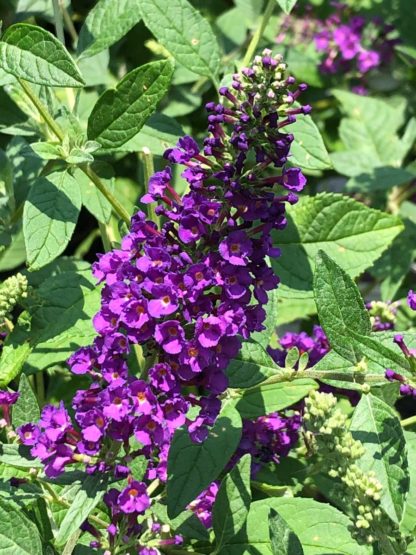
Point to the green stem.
(104, 237)
(357, 377)
(56, 129)
(40, 388)
(259, 32)
(408, 421)
(149, 170)
(50, 122)
(117, 206)
(59, 24)
(69, 25)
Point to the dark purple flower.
(157, 185)
(236, 248)
(170, 336)
(134, 498)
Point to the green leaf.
(232, 502)
(182, 30)
(340, 306)
(119, 114)
(18, 535)
(32, 53)
(26, 408)
(270, 323)
(308, 149)
(193, 466)
(85, 501)
(106, 23)
(47, 151)
(251, 366)
(93, 200)
(287, 5)
(321, 529)
(159, 133)
(273, 397)
(407, 50)
(395, 263)
(18, 456)
(408, 522)
(348, 231)
(284, 540)
(49, 217)
(16, 349)
(376, 425)
(379, 179)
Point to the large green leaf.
(348, 231)
(26, 408)
(61, 313)
(340, 306)
(284, 541)
(18, 535)
(376, 425)
(159, 133)
(93, 199)
(321, 529)
(308, 149)
(182, 30)
(49, 217)
(85, 501)
(251, 366)
(34, 54)
(193, 466)
(232, 502)
(106, 23)
(119, 114)
(273, 397)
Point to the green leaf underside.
(376, 425)
(287, 5)
(181, 29)
(106, 23)
(348, 231)
(26, 408)
(321, 529)
(192, 467)
(34, 54)
(273, 397)
(87, 498)
(49, 217)
(232, 502)
(119, 114)
(18, 535)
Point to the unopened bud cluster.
(13, 289)
(326, 428)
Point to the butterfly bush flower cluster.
(348, 43)
(187, 292)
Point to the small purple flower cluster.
(186, 292)
(7, 398)
(203, 504)
(382, 314)
(351, 43)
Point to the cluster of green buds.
(12, 290)
(327, 435)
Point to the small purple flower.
(163, 303)
(83, 360)
(209, 331)
(157, 185)
(29, 434)
(186, 148)
(236, 248)
(293, 179)
(170, 336)
(134, 498)
(368, 59)
(411, 299)
(8, 397)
